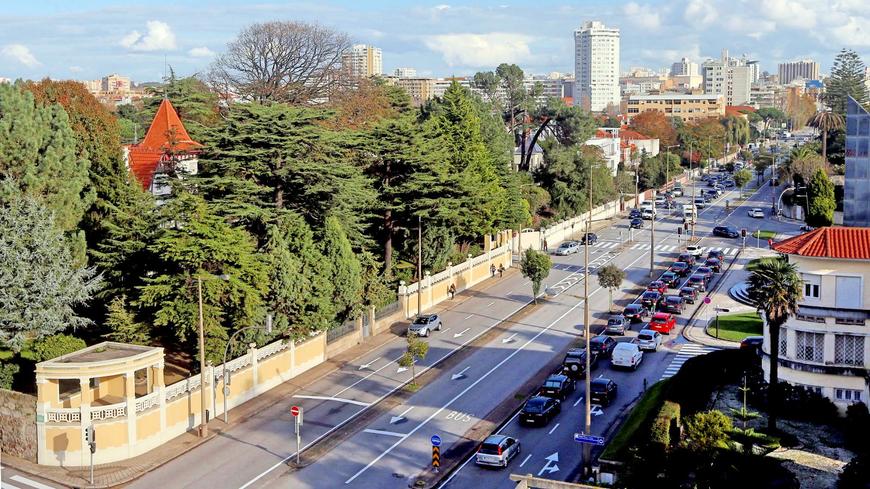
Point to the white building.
(729, 77)
(684, 67)
(806, 69)
(824, 347)
(596, 66)
(363, 61)
(405, 73)
(608, 140)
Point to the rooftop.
(101, 352)
(848, 243)
(675, 96)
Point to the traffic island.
(735, 327)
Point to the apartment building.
(856, 192)
(687, 107)
(596, 66)
(806, 69)
(362, 61)
(824, 347)
(420, 89)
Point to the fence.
(345, 329)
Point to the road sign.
(707, 300)
(294, 410)
(436, 457)
(723, 309)
(590, 439)
(436, 441)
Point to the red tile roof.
(851, 243)
(166, 135)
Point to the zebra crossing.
(20, 482)
(686, 352)
(604, 245)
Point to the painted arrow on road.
(367, 365)
(457, 335)
(596, 411)
(460, 374)
(509, 338)
(550, 466)
(401, 417)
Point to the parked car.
(540, 410)
(635, 312)
(674, 304)
(558, 386)
(649, 340)
(687, 258)
(574, 363)
(591, 237)
(700, 202)
(718, 254)
(726, 232)
(698, 282)
(497, 451)
(658, 285)
(626, 355)
(636, 223)
(662, 322)
(694, 250)
(689, 294)
(568, 248)
(603, 391)
(681, 268)
(756, 213)
(424, 324)
(634, 213)
(670, 279)
(601, 346)
(752, 343)
(729, 183)
(707, 272)
(650, 299)
(616, 324)
(714, 264)
(807, 229)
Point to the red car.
(658, 286)
(663, 322)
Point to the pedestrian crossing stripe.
(686, 352)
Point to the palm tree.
(826, 121)
(776, 287)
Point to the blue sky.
(87, 39)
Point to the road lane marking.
(460, 374)
(509, 338)
(382, 432)
(28, 482)
(336, 399)
(554, 429)
(469, 316)
(445, 330)
(461, 333)
(491, 303)
(396, 419)
(367, 365)
(6, 485)
(548, 468)
(578, 401)
(526, 459)
(362, 379)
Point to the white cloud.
(442, 7)
(642, 15)
(854, 32)
(21, 54)
(700, 12)
(75, 69)
(159, 37)
(791, 13)
(201, 52)
(481, 50)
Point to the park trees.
(820, 192)
(847, 80)
(655, 125)
(535, 266)
(610, 277)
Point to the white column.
(130, 394)
(828, 353)
(85, 410)
(161, 398)
(428, 280)
(252, 351)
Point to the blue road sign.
(436, 441)
(590, 439)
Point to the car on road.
(670, 279)
(806, 228)
(687, 258)
(649, 340)
(634, 213)
(602, 346)
(568, 248)
(674, 304)
(718, 254)
(635, 312)
(707, 272)
(714, 264)
(558, 386)
(616, 324)
(689, 294)
(729, 183)
(591, 237)
(650, 300)
(698, 282)
(677, 191)
(636, 223)
(574, 363)
(647, 214)
(603, 391)
(756, 213)
(726, 232)
(694, 250)
(681, 268)
(662, 322)
(424, 324)
(660, 200)
(752, 343)
(497, 451)
(658, 285)
(626, 355)
(700, 202)
(540, 410)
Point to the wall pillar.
(255, 374)
(85, 410)
(403, 298)
(428, 279)
(160, 384)
(373, 322)
(470, 269)
(828, 352)
(47, 397)
(130, 395)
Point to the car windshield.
(696, 278)
(674, 300)
(644, 337)
(534, 406)
(679, 264)
(650, 295)
(552, 384)
(632, 308)
(421, 320)
(687, 290)
(614, 321)
(489, 449)
(599, 387)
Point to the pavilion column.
(160, 386)
(85, 409)
(130, 393)
(48, 397)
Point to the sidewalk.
(122, 472)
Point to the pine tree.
(343, 269)
(847, 79)
(821, 197)
(123, 325)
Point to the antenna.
(164, 76)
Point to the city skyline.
(454, 39)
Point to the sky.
(88, 39)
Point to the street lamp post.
(419, 264)
(203, 423)
(268, 329)
(694, 214)
(587, 449)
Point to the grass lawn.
(735, 327)
(648, 406)
(763, 234)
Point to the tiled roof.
(632, 135)
(851, 243)
(166, 134)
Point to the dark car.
(670, 278)
(714, 264)
(602, 346)
(729, 183)
(634, 213)
(726, 232)
(603, 391)
(681, 268)
(698, 282)
(635, 312)
(687, 258)
(558, 387)
(636, 223)
(616, 324)
(717, 254)
(574, 363)
(689, 294)
(674, 304)
(650, 299)
(657, 285)
(591, 237)
(752, 343)
(707, 272)
(540, 410)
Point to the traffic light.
(91, 438)
(679, 231)
(743, 233)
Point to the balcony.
(818, 314)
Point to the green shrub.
(858, 428)
(702, 375)
(7, 374)
(856, 474)
(56, 345)
(707, 431)
(667, 421)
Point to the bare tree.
(292, 62)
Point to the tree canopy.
(848, 78)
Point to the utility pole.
(203, 423)
(419, 264)
(652, 237)
(587, 448)
(694, 206)
(636, 181)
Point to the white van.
(690, 213)
(626, 355)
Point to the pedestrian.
(545, 246)
(452, 291)
(500, 270)
(492, 269)
(644, 385)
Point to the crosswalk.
(686, 352)
(606, 245)
(21, 482)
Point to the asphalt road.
(12, 479)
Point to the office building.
(687, 107)
(405, 73)
(362, 61)
(684, 67)
(420, 89)
(596, 66)
(856, 192)
(806, 69)
(729, 77)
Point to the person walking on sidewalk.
(500, 270)
(545, 245)
(492, 269)
(452, 291)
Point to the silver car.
(567, 248)
(497, 451)
(649, 340)
(425, 324)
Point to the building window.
(849, 292)
(848, 395)
(809, 346)
(849, 350)
(783, 343)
